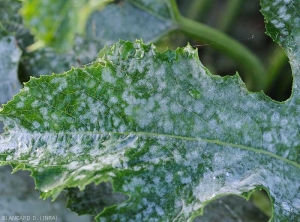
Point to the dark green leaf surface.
(160, 128)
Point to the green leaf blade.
(158, 127)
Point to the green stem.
(199, 9)
(175, 11)
(225, 44)
(229, 15)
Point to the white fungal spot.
(79, 177)
(44, 112)
(113, 99)
(54, 116)
(35, 104)
(169, 177)
(107, 76)
(159, 210)
(36, 124)
(20, 105)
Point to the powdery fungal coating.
(161, 129)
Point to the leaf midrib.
(217, 142)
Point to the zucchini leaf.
(160, 129)
(157, 127)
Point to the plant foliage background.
(142, 134)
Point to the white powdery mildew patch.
(169, 177)
(276, 2)
(111, 153)
(35, 104)
(114, 160)
(186, 180)
(54, 116)
(282, 10)
(49, 97)
(20, 105)
(89, 167)
(36, 124)
(209, 187)
(60, 83)
(278, 24)
(190, 50)
(107, 76)
(44, 112)
(176, 108)
(133, 184)
(79, 177)
(113, 100)
(159, 210)
(177, 157)
(73, 165)
(76, 149)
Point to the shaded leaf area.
(160, 128)
(158, 8)
(56, 23)
(231, 209)
(18, 197)
(103, 28)
(131, 20)
(9, 58)
(99, 196)
(43, 61)
(11, 22)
